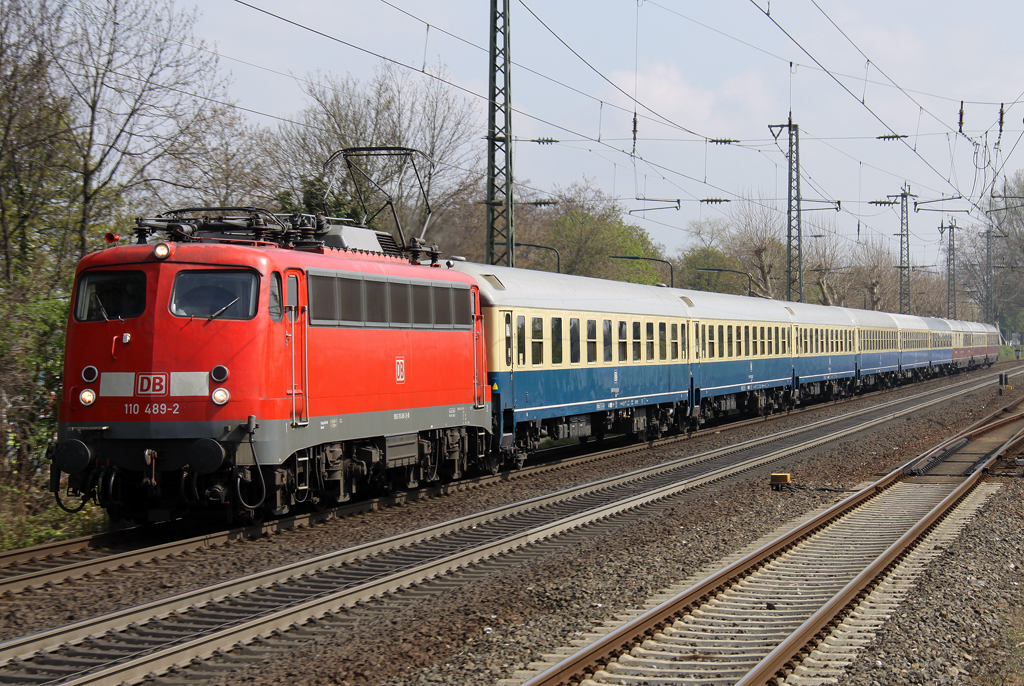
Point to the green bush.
(29, 516)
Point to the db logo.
(399, 370)
(151, 384)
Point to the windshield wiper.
(103, 310)
(222, 310)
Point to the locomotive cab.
(165, 352)
(242, 374)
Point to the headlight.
(219, 396)
(162, 251)
(90, 374)
(87, 397)
(219, 373)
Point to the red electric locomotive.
(236, 361)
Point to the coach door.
(696, 353)
(478, 354)
(295, 311)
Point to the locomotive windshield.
(103, 296)
(215, 294)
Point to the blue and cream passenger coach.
(571, 357)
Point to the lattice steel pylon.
(950, 270)
(500, 226)
(904, 197)
(794, 227)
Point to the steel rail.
(53, 639)
(782, 659)
(97, 562)
(620, 641)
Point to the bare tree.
(710, 232)
(755, 242)
(138, 79)
(220, 162)
(396, 109)
(875, 276)
(33, 134)
(827, 266)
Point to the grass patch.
(29, 516)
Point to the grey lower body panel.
(124, 444)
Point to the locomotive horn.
(112, 237)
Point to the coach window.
(607, 331)
(574, 341)
(663, 340)
(591, 340)
(703, 352)
(650, 341)
(728, 336)
(683, 333)
(675, 341)
(721, 340)
(746, 341)
(556, 340)
(521, 339)
(537, 340)
(778, 350)
(710, 347)
(274, 307)
(508, 339)
(623, 341)
(636, 341)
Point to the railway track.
(127, 645)
(799, 598)
(106, 553)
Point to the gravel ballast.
(488, 630)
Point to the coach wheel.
(492, 464)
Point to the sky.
(693, 71)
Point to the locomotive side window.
(215, 293)
(463, 307)
(103, 296)
(400, 303)
(376, 301)
(351, 300)
(443, 311)
(607, 326)
(421, 310)
(275, 308)
(323, 298)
